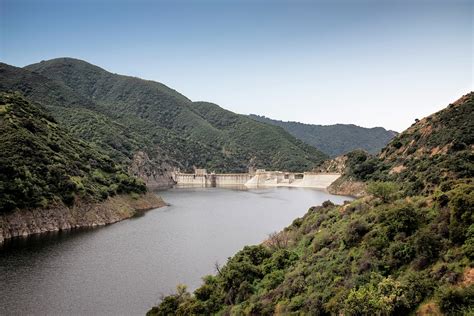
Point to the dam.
(259, 178)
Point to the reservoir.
(124, 268)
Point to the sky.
(369, 63)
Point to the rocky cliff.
(345, 185)
(155, 175)
(61, 217)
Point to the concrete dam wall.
(261, 178)
(308, 180)
(212, 180)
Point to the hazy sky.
(371, 63)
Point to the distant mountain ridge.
(337, 139)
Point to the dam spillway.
(261, 178)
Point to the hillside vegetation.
(238, 129)
(407, 247)
(41, 163)
(125, 115)
(430, 154)
(335, 140)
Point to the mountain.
(136, 101)
(434, 151)
(405, 248)
(42, 164)
(429, 154)
(335, 140)
(72, 109)
(152, 128)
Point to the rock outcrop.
(335, 165)
(60, 217)
(154, 174)
(344, 186)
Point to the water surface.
(124, 268)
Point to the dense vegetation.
(238, 130)
(335, 140)
(406, 247)
(124, 115)
(41, 163)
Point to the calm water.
(124, 268)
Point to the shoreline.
(24, 223)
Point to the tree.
(383, 190)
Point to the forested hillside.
(335, 140)
(235, 129)
(407, 247)
(41, 163)
(126, 115)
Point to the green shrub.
(402, 218)
(355, 231)
(456, 300)
(400, 253)
(468, 246)
(461, 204)
(383, 190)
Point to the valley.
(237, 158)
(83, 147)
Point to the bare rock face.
(335, 165)
(154, 174)
(343, 186)
(60, 217)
